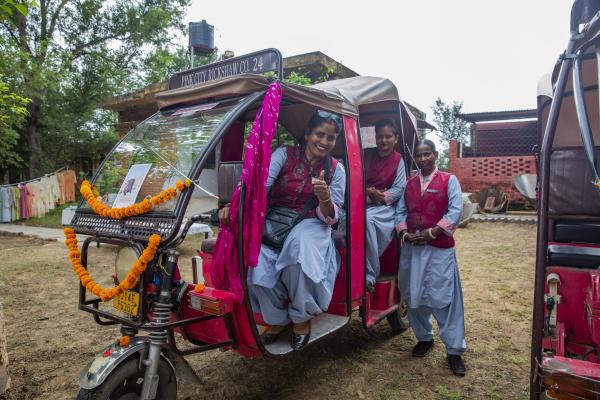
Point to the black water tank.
(202, 37)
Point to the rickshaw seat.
(577, 232)
(574, 255)
(228, 178)
(208, 245)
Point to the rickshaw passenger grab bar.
(202, 125)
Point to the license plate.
(127, 302)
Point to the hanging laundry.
(36, 197)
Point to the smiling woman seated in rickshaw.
(295, 283)
(385, 183)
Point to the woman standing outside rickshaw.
(385, 183)
(428, 276)
(295, 283)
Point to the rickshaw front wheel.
(398, 320)
(125, 383)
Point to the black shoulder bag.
(279, 221)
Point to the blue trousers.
(450, 322)
(295, 297)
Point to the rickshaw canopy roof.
(345, 96)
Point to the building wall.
(477, 173)
(504, 138)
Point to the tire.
(125, 383)
(398, 320)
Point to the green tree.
(448, 120)
(12, 112)
(68, 55)
(12, 106)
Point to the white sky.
(488, 54)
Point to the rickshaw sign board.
(253, 63)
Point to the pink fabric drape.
(255, 170)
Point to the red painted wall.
(476, 173)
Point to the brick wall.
(476, 173)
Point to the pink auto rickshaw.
(200, 132)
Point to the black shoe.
(456, 365)
(422, 348)
(269, 337)
(299, 340)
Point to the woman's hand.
(413, 238)
(320, 189)
(430, 234)
(376, 196)
(224, 215)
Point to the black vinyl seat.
(577, 232)
(574, 256)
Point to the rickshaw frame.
(578, 41)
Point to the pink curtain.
(226, 271)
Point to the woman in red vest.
(428, 277)
(385, 181)
(293, 284)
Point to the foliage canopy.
(66, 56)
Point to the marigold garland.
(199, 288)
(130, 280)
(93, 198)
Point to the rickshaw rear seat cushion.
(577, 232)
(570, 190)
(208, 245)
(339, 238)
(580, 256)
(229, 176)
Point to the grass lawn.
(50, 340)
(52, 219)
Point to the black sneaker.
(456, 364)
(422, 348)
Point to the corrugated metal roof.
(499, 115)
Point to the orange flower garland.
(130, 280)
(92, 196)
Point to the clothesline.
(36, 197)
(35, 179)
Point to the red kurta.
(381, 172)
(425, 211)
(293, 186)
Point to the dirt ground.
(50, 341)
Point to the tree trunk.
(4, 378)
(33, 139)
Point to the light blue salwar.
(429, 281)
(296, 282)
(380, 224)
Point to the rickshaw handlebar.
(181, 236)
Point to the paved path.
(36, 231)
(522, 218)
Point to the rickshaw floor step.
(320, 326)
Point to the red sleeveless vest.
(293, 186)
(426, 211)
(381, 172)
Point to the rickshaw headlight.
(124, 260)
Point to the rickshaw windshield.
(158, 152)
